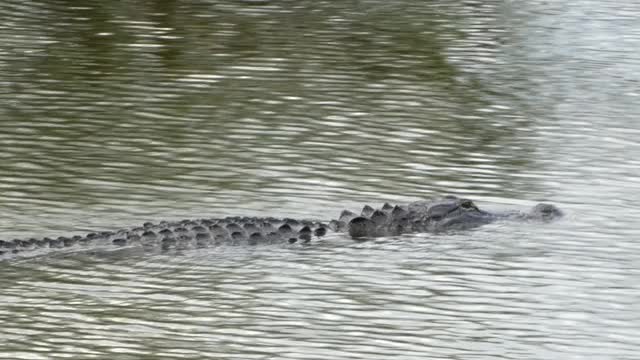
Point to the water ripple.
(116, 115)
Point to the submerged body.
(437, 215)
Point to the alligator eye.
(468, 204)
(436, 217)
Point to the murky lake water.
(117, 113)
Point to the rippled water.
(116, 113)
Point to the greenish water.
(117, 113)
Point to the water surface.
(113, 114)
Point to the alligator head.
(449, 213)
(442, 214)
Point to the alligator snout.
(545, 212)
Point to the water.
(113, 114)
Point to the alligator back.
(185, 234)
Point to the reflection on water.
(113, 114)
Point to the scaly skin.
(442, 214)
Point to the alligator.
(426, 216)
